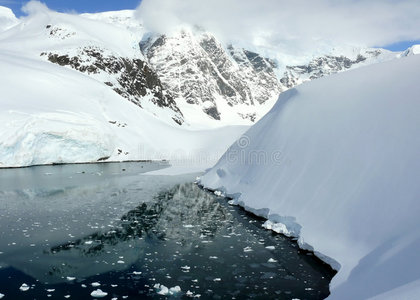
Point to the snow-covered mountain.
(226, 83)
(333, 63)
(107, 53)
(57, 104)
(413, 50)
(187, 80)
(336, 163)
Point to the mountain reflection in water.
(129, 233)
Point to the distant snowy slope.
(337, 162)
(108, 53)
(7, 18)
(413, 50)
(51, 114)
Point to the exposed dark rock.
(212, 112)
(318, 67)
(104, 158)
(198, 69)
(134, 77)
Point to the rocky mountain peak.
(200, 71)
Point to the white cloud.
(34, 7)
(301, 23)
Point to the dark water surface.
(72, 230)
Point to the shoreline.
(89, 163)
(328, 261)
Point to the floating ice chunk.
(84, 286)
(24, 287)
(88, 242)
(188, 226)
(308, 289)
(70, 278)
(270, 247)
(213, 257)
(217, 279)
(174, 290)
(50, 290)
(161, 289)
(98, 293)
(95, 284)
(136, 273)
(185, 268)
(248, 249)
(67, 296)
(120, 262)
(114, 285)
(219, 193)
(1, 295)
(279, 228)
(272, 260)
(189, 293)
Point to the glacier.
(336, 164)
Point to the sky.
(80, 6)
(294, 25)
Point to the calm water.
(73, 230)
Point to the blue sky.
(80, 6)
(401, 45)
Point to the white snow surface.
(337, 163)
(7, 18)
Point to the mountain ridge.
(188, 78)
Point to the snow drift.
(336, 162)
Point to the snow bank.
(336, 162)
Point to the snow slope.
(7, 18)
(337, 163)
(51, 114)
